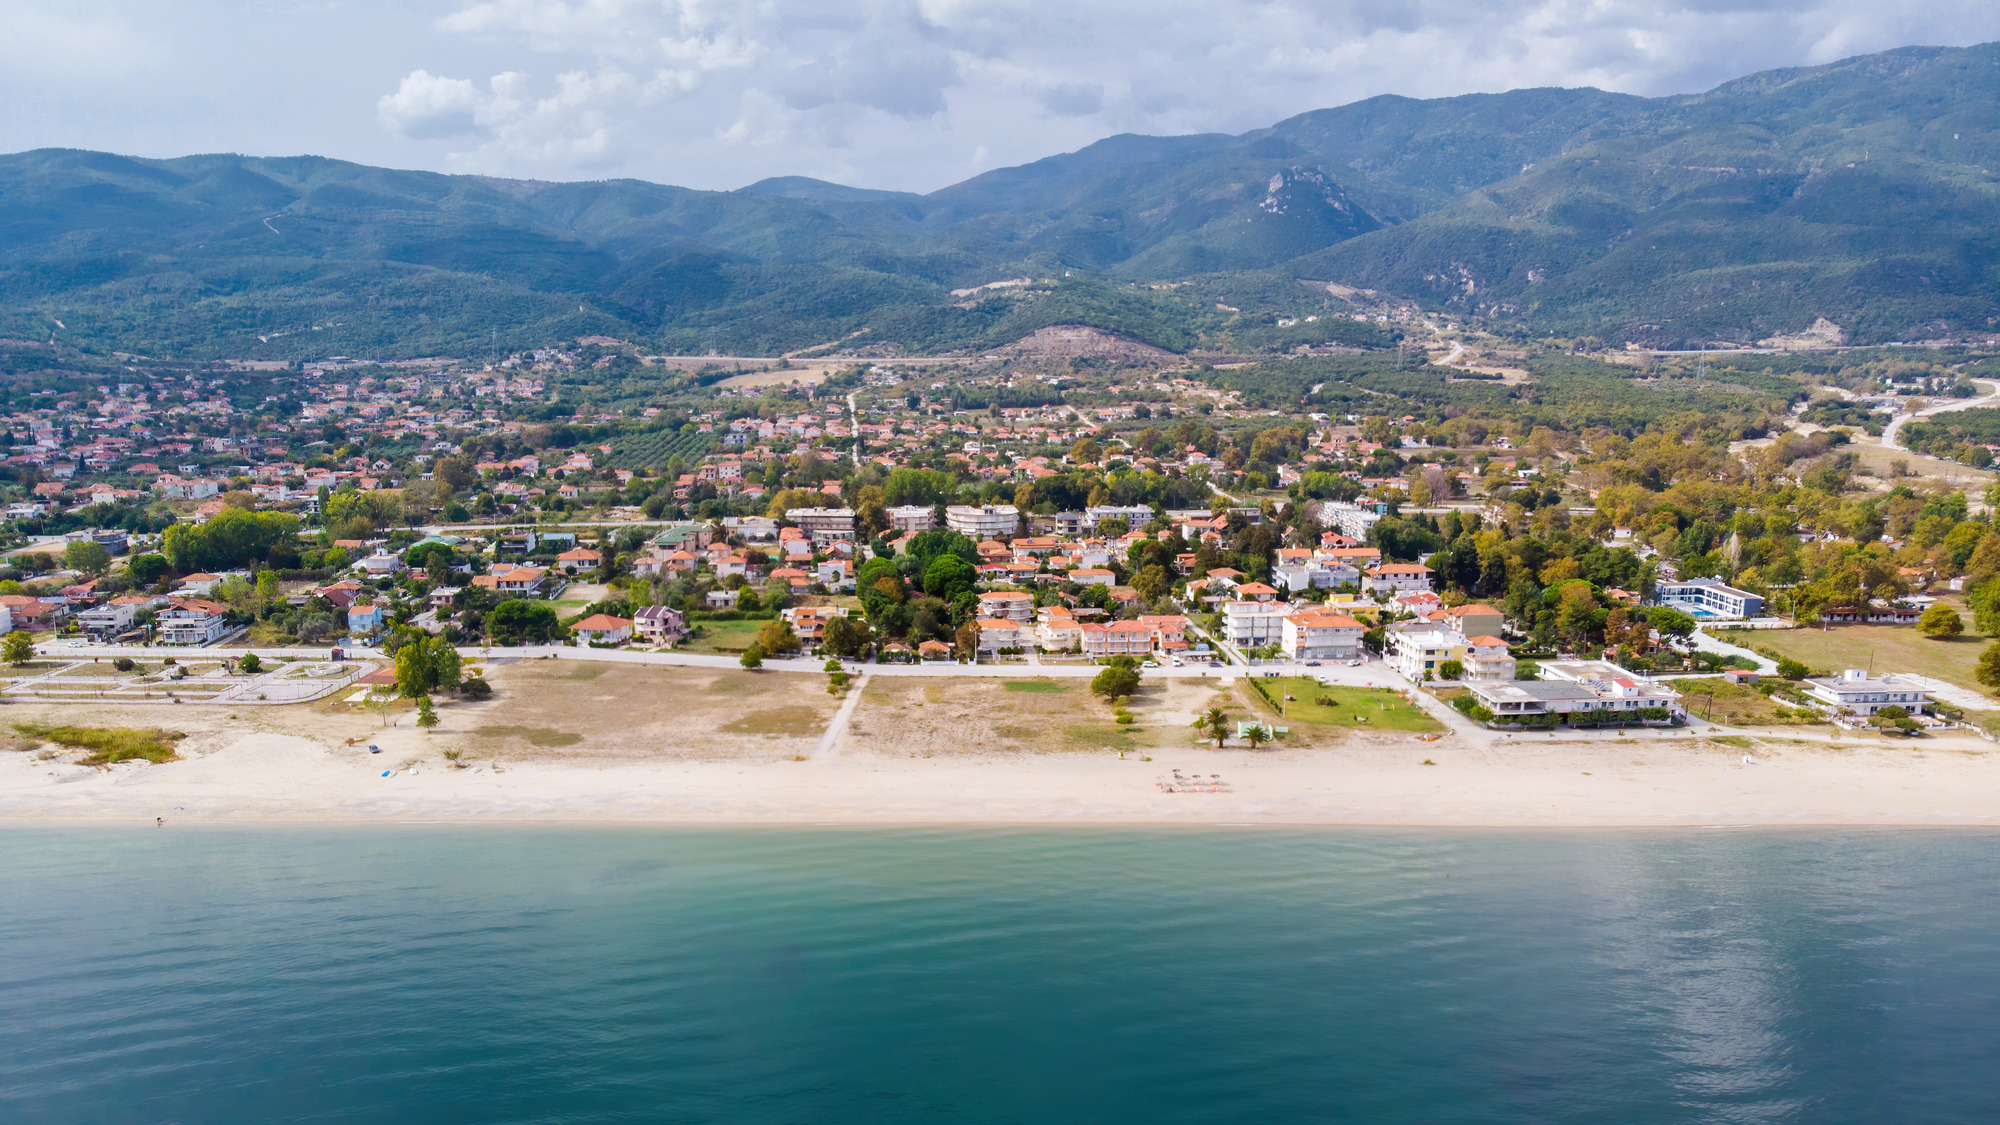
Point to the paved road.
(1895, 426)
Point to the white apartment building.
(913, 517)
(1354, 520)
(990, 521)
(1708, 597)
(1255, 624)
(824, 524)
(1396, 578)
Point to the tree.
(381, 699)
(1115, 682)
(845, 636)
(777, 637)
(1671, 622)
(427, 716)
(1988, 671)
(1940, 620)
(87, 556)
(426, 665)
(230, 538)
(968, 639)
(516, 622)
(252, 663)
(147, 569)
(1216, 722)
(1255, 735)
(1151, 583)
(752, 658)
(1793, 670)
(1451, 670)
(18, 649)
(947, 576)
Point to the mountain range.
(1864, 191)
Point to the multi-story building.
(1418, 647)
(989, 521)
(1573, 686)
(1010, 604)
(187, 621)
(825, 525)
(913, 517)
(658, 624)
(1133, 515)
(1487, 659)
(1117, 638)
(1255, 624)
(1396, 578)
(1708, 597)
(1355, 520)
(1318, 635)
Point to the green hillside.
(1863, 191)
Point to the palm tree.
(1255, 735)
(1215, 722)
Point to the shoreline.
(265, 779)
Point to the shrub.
(476, 688)
(123, 664)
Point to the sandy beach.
(277, 778)
(565, 741)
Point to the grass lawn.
(724, 638)
(1736, 705)
(1894, 648)
(1355, 707)
(1042, 687)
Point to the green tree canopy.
(515, 622)
(426, 665)
(231, 538)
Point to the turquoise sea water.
(833, 976)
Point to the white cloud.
(428, 107)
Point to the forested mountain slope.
(1863, 191)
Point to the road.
(1895, 426)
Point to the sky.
(903, 94)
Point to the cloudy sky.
(909, 94)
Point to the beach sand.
(562, 742)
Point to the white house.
(1317, 635)
(188, 621)
(602, 629)
(1855, 692)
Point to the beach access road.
(1373, 672)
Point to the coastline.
(280, 779)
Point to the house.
(191, 621)
(602, 629)
(367, 618)
(519, 581)
(381, 564)
(835, 574)
(1396, 578)
(1598, 690)
(934, 650)
(106, 621)
(912, 517)
(1417, 648)
(823, 524)
(1739, 676)
(1708, 597)
(658, 624)
(1855, 692)
(578, 559)
(1056, 629)
(1317, 635)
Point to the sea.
(838, 976)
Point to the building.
(1602, 692)
(1010, 604)
(1355, 520)
(602, 629)
(1117, 638)
(367, 618)
(1855, 692)
(659, 625)
(1254, 624)
(913, 517)
(824, 524)
(996, 633)
(103, 622)
(189, 621)
(1317, 635)
(578, 559)
(1416, 648)
(1474, 620)
(1395, 578)
(1708, 597)
(1486, 659)
(381, 564)
(1133, 515)
(989, 521)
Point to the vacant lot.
(909, 716)
(1352, 707)
(1888, 648)
(1740, 705)
(724, 638)
(568, 709)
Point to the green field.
(1738, 705)
(1043, 687)
(724, 638)
(1353, 707)
(1885, 648)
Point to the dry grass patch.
(108, 745)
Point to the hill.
(1863, 192)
